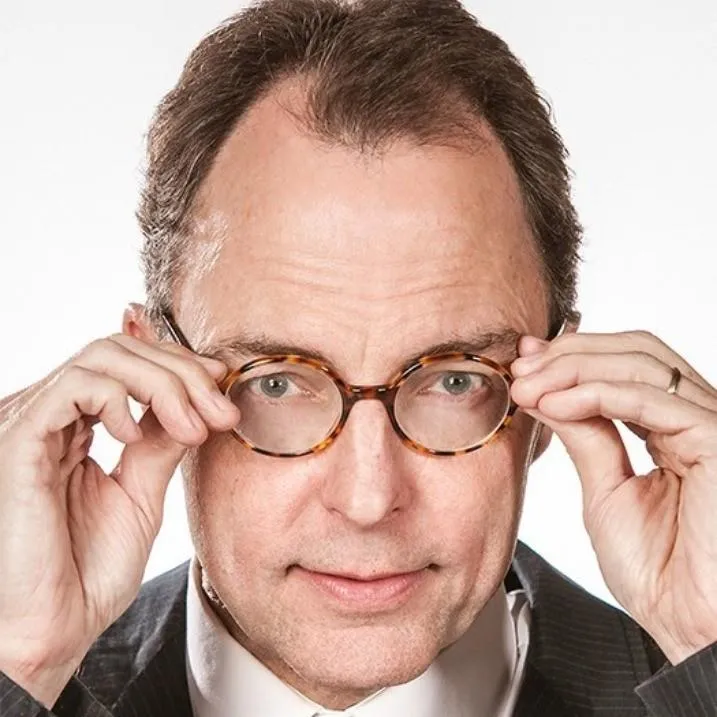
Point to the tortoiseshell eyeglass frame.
(386, 393)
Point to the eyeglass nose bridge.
(380, 392)
(385, 393)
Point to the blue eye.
(274, 386)
(457, 383)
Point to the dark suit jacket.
(585, 658)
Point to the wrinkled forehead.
(358, 256)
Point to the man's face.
(369, 261)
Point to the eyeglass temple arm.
(174, 331)
(571, 321)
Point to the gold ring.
(674, 380)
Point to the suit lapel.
(584, 656)
(161, 688)
(138, 666)
(537, 698)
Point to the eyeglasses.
(444, 405)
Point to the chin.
(362, 660)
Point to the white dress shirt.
(477, 676)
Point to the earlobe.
(136, 324)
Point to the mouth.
(355, 592)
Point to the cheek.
(240, 508)
(480, 508)
(249, 515)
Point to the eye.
(458, 386)
(458, 383)
(276, 385)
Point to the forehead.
(305, 242)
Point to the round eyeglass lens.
(452, 405)
(286, 407)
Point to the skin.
(654, 534)
(369, 260)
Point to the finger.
(73, 393)
(198, 373)
(63, 440)
(76, 452)
(187, 363)
(598, 452)
(74, 434)
(643, 405)
(168, 395)
(545, 374)
(624, 342)
(78, 391)
(146, 467)
(531, 345)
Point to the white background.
(633, 88)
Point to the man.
(349, 205)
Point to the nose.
(368, 478)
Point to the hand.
(74, 541)
(655, 536)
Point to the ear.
(135, 323)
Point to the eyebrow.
(503, 342)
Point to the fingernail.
(215, 368)
(532, 345)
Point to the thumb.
(146, 467)
(598, 452)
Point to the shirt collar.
(471, 676)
